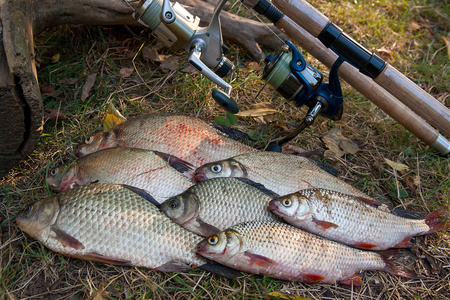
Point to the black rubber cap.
(224, 101)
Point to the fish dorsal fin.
(107, 260)
(67, 240)
(326, 167)
(143, 194)
(221, 270)
(259, 260)
(206, 229)
(178, 164)
(259, 186)
(173, 266)
(232, 133)
(370, 202)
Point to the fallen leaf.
(113, 118)
(416, 180)
(385, 53)
(151, 54)
(54, 115)
(189, 69)
(257, 112)
(447, 43)
(170, 64)
(47, 90)
(56, 57)
(397, 166)
(339, 144)
(90, 80)
(253, 65)
(126, 72)
(281, 295)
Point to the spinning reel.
(287, 72)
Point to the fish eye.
(216, 168)
(28, 210)
(89, 140)
(212, 240)
(54, 172)
(287, 202)
(173, 203)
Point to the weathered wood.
(22, 108)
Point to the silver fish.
(111, 224)
(282, 251)
(216, 204)
(351, 220)
(152, 171)
(187, 138)
(278, 172)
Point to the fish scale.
(352, 220)
(285, 252)
(112, 224)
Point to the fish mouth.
(273, 206)
(77, 151)
(199, 177)
(200, 249)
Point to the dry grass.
(411, 30)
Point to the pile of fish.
(171, 193)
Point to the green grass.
(28, 268)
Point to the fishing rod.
(292, 76)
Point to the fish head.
(181, 209)
(63, 177)
(99, 141)
(292, 206)
(37, 219)
(221, 246)
(222, 168)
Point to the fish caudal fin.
(391, 267)
(437, 220)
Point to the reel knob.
(224, 68)
(225, 101)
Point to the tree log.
(20, 20)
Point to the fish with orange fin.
(353, 220)
(282, 251)
(113, 224)
(187, 138)
(159, 174)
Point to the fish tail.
(437, 220)
(391, 267)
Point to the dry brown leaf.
(188, 69)
(170, 64)
(151, 54)
(54, 115)
(339, 144)
(90, 80)
(253, 65)
(47, 90)
(126, 72)
(397, 166)
(257, 112)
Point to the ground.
(408, 34)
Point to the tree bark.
(20, 20)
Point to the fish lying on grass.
(157, 173)
(353, 220)
(278, 172)
(282, 251)
(187, 138)
(216, 204)
(111, 224)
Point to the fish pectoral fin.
(259, 260)
(324, 225)
(173, 266)
(107, 260)
(67, 240)
(175, 162)
(363, 245)
(370, 202)
(206, 229)
(221, 270)
(406, 243)
(352, 280)
(312, 277)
